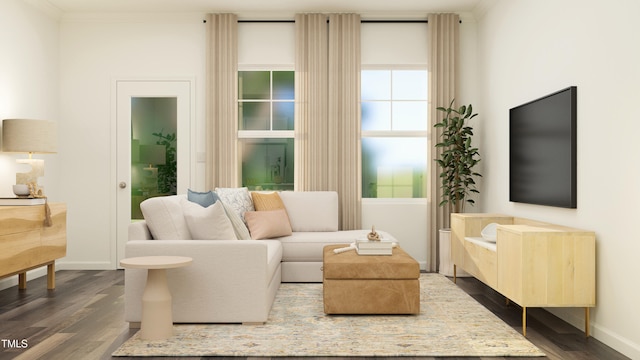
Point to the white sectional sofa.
(235, 281)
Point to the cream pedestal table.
(157, 319)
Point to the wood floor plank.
(83, 318)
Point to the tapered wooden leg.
(22, 281)
(454, 273)
(586, 322)
(51, 276)
(524, 321)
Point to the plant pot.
(446, 264)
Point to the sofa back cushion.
(165, 218)
(311, 210)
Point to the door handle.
(122, 185)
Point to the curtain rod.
(425, 21)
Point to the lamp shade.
(29, 136)
(153, 154)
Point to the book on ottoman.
(367, 247)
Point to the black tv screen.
(542, 150)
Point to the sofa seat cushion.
(308, 246)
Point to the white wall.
(28, 81)
(94, 53)
(531, 48)
(85, 54)
(28, 87)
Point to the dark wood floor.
(84, 319)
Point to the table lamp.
(152, 155)
(29, 136)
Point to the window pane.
(253, 85)
(375, 85)
(283, 85)
(410, 115)
(409, 85)
(254, 115)
(394, 167)
(283, 113)
(376, 115)
(267, 164)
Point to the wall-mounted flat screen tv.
(542, 150)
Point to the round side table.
(157, 319)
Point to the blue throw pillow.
(205, 199)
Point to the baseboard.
(85, 265)
(619, 343)
(606, 336)
(31, 274)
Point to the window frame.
(243, 135)
(267, 134)
(399, 133)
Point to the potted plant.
(457, 160)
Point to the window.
(394, 133)
(265, 128)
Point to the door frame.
(125, 88)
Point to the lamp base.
(31, 177)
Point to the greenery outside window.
(394, 133)
(265, 128)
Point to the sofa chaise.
(233, 281)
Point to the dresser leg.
(586, 322)
(524, 321)
(454, 273)
(51, 276)
(22, 281)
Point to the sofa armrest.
(211, 257)
(139, 231)
(228, 280)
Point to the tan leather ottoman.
(367, 284)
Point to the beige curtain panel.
(443, 53)
(344, 116)
(222, 105)
(328, 109)
(311, 94)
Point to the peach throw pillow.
(268, 224)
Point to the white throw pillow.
(210, 223)
(238, 199)
(489, 232)
(164, 218)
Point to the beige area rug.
(451, 323)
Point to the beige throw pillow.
(266, 201)
(268, 224)
(210, 223)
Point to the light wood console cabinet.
(532, 264)
(26, 243)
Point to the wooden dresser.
(533, 264)
(26, 243)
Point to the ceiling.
(262, 8)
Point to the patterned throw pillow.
(239, 227)
(238, 199)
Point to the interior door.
(152, 147)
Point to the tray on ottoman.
(354, 284)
